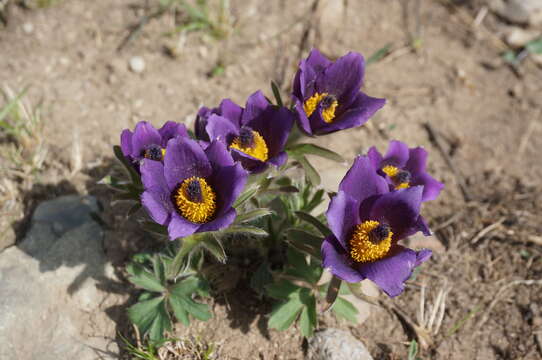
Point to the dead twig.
(309, 26)
(136, 30)
(487, 230)
(499, 293)
(525, 138)
(460, 179)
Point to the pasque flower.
(327, 94)
(403, 167)
(367, 221)
(148, 142)
(256, 135)
(192, 190)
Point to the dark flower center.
(379, 233)
(327, 101)
(246, 137)
(402, 176)
(193, 191)
(153, 152)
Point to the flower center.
(371, 241)
(195, 200)
(154, 152)
(251, 143)
(400, 178)
(328, 103)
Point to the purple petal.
(417, 159)
(431, 187)
(221, 222)
(221, 128)
(256, 105)
(342, 215)
(158, 205)
(400, 209)
(218, 155)
(274, 125)
(230, 110)
(397, 154)
(374, 157)
(422, 256)
(180, 227)
(170, 130)
(126, 142)
(317, 61)
(337, 260)
(357, 114)
(201, 123)
(391, 272)
(302, 119)
(343, 78)
(228, 182)
(421, 225)
(144, 135)
(184, 158)
(362, 181)
(250, 163)
(279, 160)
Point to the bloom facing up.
(403, 167)
(367, 221)
(147, 142)
(193, 189)
(327, 94)
(255, 135)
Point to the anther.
(153, 152)
(327, 101)
(246, 137)
(379, 233)
(193, 191)
(402, 177)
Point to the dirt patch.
(486, 117)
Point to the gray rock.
(519, 11)
(137, 64)
(51, 306)
(335, 344)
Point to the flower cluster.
(190, 183)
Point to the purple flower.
(367, 221)
(327, 94)
(256, 135)
(403, 167)
(147, 142)
(193, 189)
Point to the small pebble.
(137, 64)
(28, 28)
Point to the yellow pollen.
(197, 212)
(312, 103)
(362, 249)
(392, 172)
(163, 153)
(258, 149)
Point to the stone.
(335, 344)
(28, 28)
(518, 37)
(419, 241)
(137, 64)
(53, 287)
(526, 12)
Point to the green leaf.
(345, 309)
(298, 267)
(143, 314)
(252, 215)
(332, 292)
(305, 242)
(179, 311)
(379, 54)
(153, 227)
(143, 278)
(261, 278)
(510, 57)
(304, 149)
(159, 268)
(284, 314)
(535, 46)
(214, 246)
(308, 319)
(160, 324)
(324, 230)
(11, 105)
(245, 229)
(315, 201)
(134, 176)
(187, 245)
(276, 93)
(310, 171)
(281, 290)
(245, 196)
(412, 350)
(182, 303)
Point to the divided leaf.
(143, 278)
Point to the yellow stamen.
(163, 153)
(362, 246)
(258, 149)
(197, 212)
(328, 114)
(392, 172)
